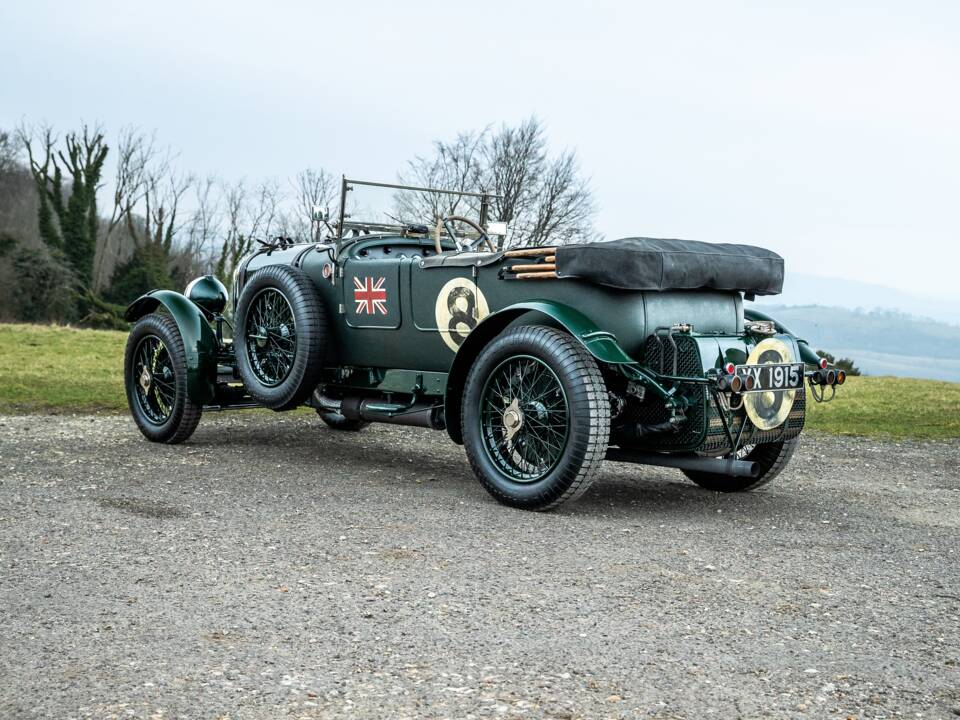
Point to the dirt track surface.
(272, 568)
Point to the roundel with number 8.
(460, 306)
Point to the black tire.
(158, 398)
(551, 367)
(771, 457)
(336, 421)
(280, 365)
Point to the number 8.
(458, 316)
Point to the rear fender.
(807, 354)
(199, 342)
(599, 343)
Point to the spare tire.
(279, 338)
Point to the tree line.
(88, 223)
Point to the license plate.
(775, 377)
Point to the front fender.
(806, 352)
(601, 344)
(199, 342)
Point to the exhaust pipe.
(718, 466)
(374, 410)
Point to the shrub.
(147, 269)
(43, 286)
(845, 364)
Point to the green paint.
(209, 294)
(399, 325)
(602, 344)
(397, 381)
(199, 342)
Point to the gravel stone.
(273, 568)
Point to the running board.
(718, 466)
(243, 405)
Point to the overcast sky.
(826, 131)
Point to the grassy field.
(890, 407)
(57, 369)
(60, 369)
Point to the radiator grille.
(660, 356)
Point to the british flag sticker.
(370, 296)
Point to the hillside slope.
(879, 341)
(805, 289)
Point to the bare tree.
(563, 206)
(236, 242)
(163, 190)
(205, 223)
(454, 166)
(9, 152)
(135, 153)
(514, 160)
(68, 221)
(312, 188)
(18, 196)
(146, 237)
(264, 214)
(248, 216)
(544, 199)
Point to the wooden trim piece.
(531, 252)
(537, 276)
(534, 267)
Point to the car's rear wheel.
(536, 418)
(155, 379)
(280, 332)
(771, 457)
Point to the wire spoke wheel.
(155, 389)
(281, 330)
(525, 418)
(271, 337)
(535, 417)
(156, 380)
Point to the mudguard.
(199, 342)
(806, 352)
(599, 343)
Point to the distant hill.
(803, 289)
(880, 342)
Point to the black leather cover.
(660, 264)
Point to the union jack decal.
(370, 296)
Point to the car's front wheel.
(536, 418)
(772, 458)
(155, 378)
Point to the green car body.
(404, 324)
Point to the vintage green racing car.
(542, 362)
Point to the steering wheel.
(447, 223)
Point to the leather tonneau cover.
(660, 264)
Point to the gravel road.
(272, 568)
